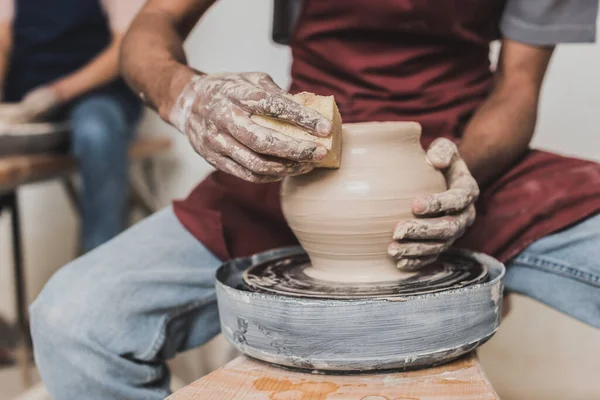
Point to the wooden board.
(22, 169)
(247, 379)
(19, 170)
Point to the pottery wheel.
(286, 276)
(356, 334)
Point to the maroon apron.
(395, 60)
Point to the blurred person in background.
(59, 61)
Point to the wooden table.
(247, 379)
(19, 170)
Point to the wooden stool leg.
(24, 354)
(146, 203)
(138, 200)
(148, 172)
(73, 196)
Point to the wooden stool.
(247, 379)
(19, 170)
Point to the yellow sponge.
(324, 105)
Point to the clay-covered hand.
(214, 112)
(36, 104)
(440, 218)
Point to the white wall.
(538, 354)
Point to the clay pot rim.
(366, 128)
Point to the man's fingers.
(462, 187)
(442, 152)
(14, 114)
(450, 201)
(277, 105)
(226, 145)
(270, 142)
(442, 228)
(459, 177)
(264, 81)
(399, 250)
(462, 191)
(411, 264)
(231, 167)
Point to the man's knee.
(559, 286)
(73, 307)
(98, 126)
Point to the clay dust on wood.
(284, 389)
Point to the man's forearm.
(5, 48)
(499, 133)
(97, 73)
(152, 57)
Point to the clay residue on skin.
(442, 228)
(414, 236)
(418, 249)
(284, 389)
(441, 153)
(214, 112)
(462, 187)
(221, 140)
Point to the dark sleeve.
(550, 22)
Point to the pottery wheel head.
(286, 276)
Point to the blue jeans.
(105, 324)
(101, 129)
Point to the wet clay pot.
(344, 218)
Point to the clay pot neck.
(380, 134)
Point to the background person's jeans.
(101, 129)
(105, 324)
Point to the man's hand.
(214, 112)
(441, 218)
(37, 104)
